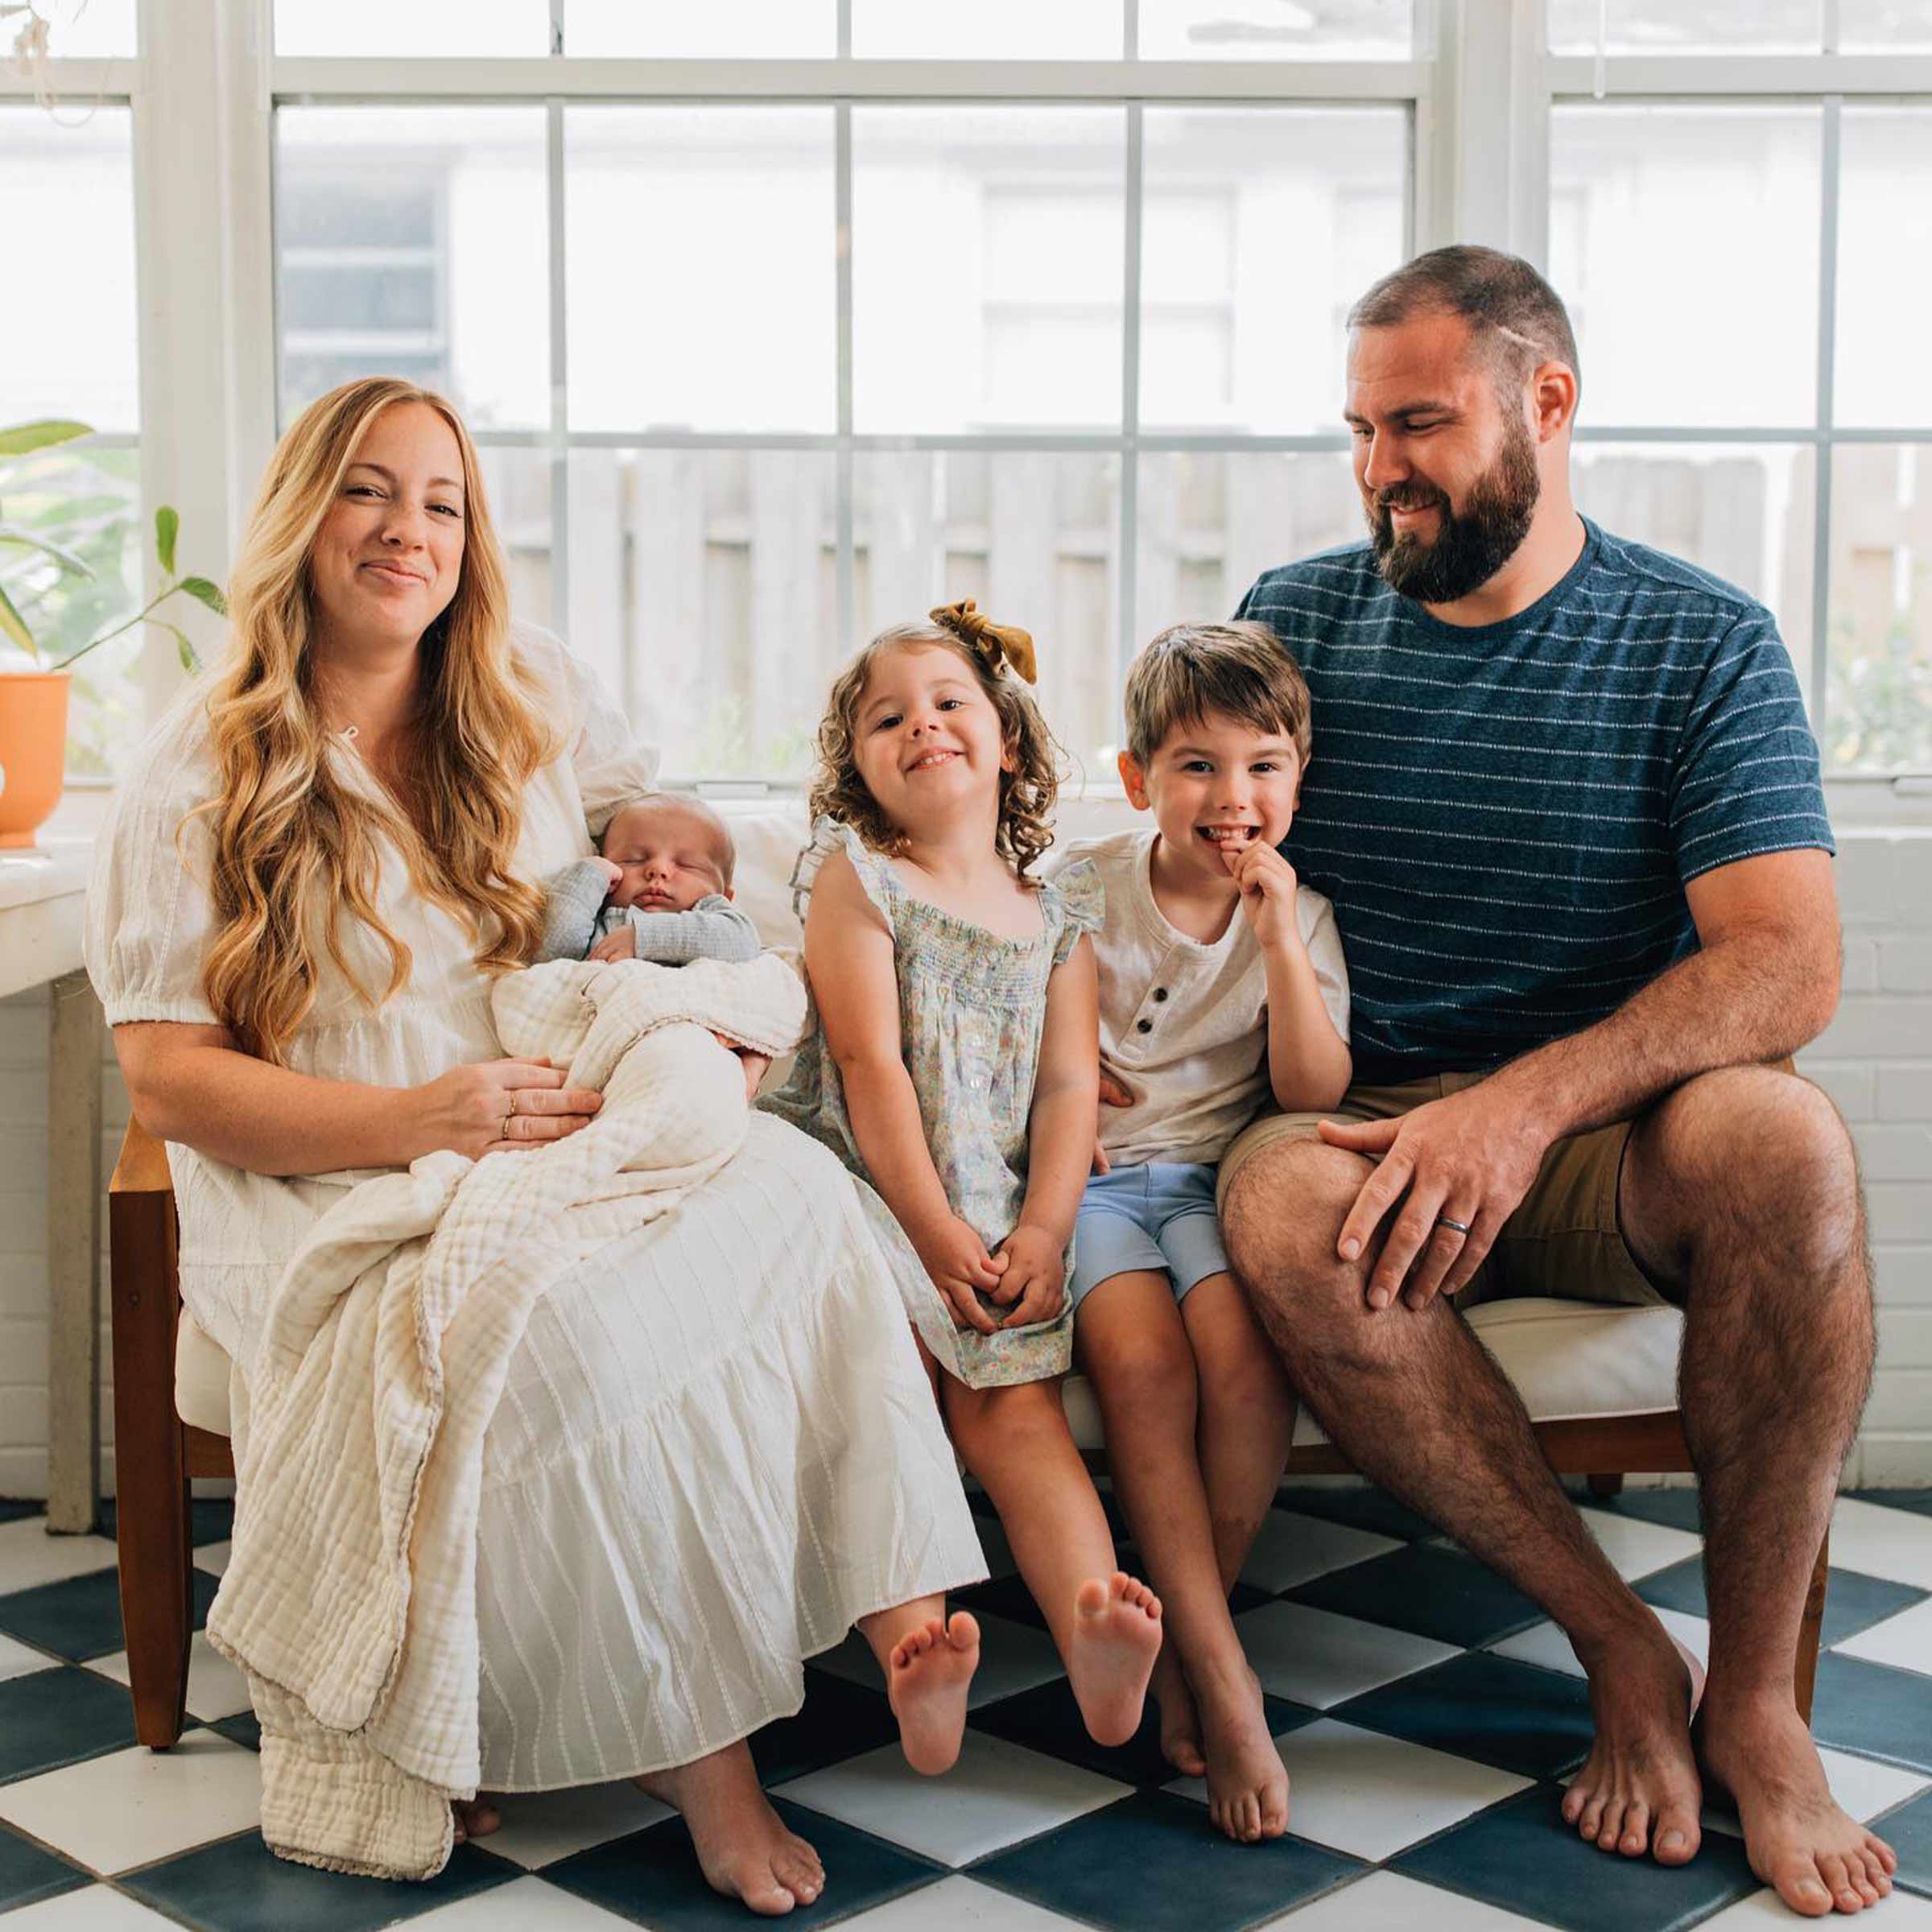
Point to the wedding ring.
(510, 1113)
(1443, 1221)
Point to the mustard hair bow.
(994, 644)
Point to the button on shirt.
(1184, 1024)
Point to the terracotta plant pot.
(33, 751)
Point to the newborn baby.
(661, 891)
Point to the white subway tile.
(1900, 1211)
(1878, 1026)
(1904, 965)
(1860, 973)
(1904, 1341)
(1905, 1090)
(1901, 1398)
(1905, 1278)
(1852, 1084)
(1895, 1152)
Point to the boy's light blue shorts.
(1159, 1217)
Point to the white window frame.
(1479, 89)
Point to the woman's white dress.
(716, 1449)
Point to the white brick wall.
(1875, 1061)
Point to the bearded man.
(1566, 803)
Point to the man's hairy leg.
(1418, 1405)
(1741, 1191)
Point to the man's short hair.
(1517, 319)
(1193, 671)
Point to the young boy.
(1222, 983)
(661, 891)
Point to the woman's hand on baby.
(1036, 1278)
(1267, 887)
(494, 1104)
(962, 1270)
(622, 944)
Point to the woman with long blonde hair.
(323, 857)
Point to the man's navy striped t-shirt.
(1506, 817)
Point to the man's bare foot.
(925, 1680)
(1247, 1781)
(743, 1848)
(1116, 1636)
(1180, 1721)
(475, 1817)
(1638, 1790)
(1795, 1835)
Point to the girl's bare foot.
(475, 1817)
(925, 1680)
(1247, 1781)
(1110, 1653)
(743, 1848)
(1180, 1721)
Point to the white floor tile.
(134, 1806)
(1894, 1543)
(1317, 1657)
(541, 1826)
(1636, 1548)
(16, 1659)
(215, 1687)
(92, 1909)
(1293, 1549)
(1863, 1788)
(1371, 1795)
(1384, 1901)
(998, 1794)
(1546, 1644)
(212, 1558)
(29, 1557)
(1764, 1911)
(519, 1906)
(1904, 1642)
(960, 1902)
(1013, 1657)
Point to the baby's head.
(671, 852)
(931, 720)
(1218, 736)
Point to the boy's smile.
(1216, 785)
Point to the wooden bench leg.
(1811, 1630)
(1606, 1486)
(151, 1514)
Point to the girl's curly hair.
(1026, 792)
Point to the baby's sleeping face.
(670, 853)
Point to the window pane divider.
(1718, 76)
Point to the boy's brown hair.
(1192, 671)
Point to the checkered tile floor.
(1426, 1713)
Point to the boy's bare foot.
(743, 1848)
(1247, 1781)
(1180, 1720)
(1639, 1791)
(475, 1817)
(1116, 1636)
(1796, 1837)
(925, 1680)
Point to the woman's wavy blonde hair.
(295, 849)
(1026, 792)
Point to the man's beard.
(1472, 544)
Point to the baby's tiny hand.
(622, 944)
(611, 870)
(1035, 1278)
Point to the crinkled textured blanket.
(349, 1599)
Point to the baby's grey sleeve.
(570, 900)
(714, 929)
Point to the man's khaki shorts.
(1565, 1239)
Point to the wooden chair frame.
(157, 1454)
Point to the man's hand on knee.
(1448, 1175)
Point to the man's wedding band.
(1443, 1221)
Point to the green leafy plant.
(67, 542)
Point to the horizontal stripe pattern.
(1506, 818)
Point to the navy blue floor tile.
(652, 1877)
(239, 1885)
(81, 1616)
(1853, 1601)
(12, 1510)
(27, 1872)
(1908, 1831)
(1493, 1709)
(840, 1720)
(1046, 1718)
(1521, 1856)
(1873, 1710)
(212, 1519)
(57, 1716)
(1675, 1509)
(1918, 1500)
(244, 1727)
(1152, 1862)
(1428, 1589)
(1361, 1508)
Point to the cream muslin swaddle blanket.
(349, 1599)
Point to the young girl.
(952, 1063)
